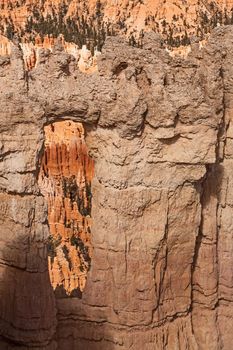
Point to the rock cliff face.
(160, 132)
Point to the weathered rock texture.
(85, 61)
(66, 172)
(160, 131)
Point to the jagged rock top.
(132, 87)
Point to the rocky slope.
(160, 132)
(89, 22)
(83, 26)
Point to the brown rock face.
(65, 180)
(160, 132)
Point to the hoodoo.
(65, 179)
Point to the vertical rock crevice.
(204, 271)
(206, 265)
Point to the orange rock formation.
(65, 180)
(179, 22)
(5, 46)
(136, 15)
(86, 62)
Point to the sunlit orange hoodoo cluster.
(65, 180)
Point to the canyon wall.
(90, 22)
(134, 15)
(160, 132)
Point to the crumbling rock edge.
(160, 131)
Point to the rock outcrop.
(86, 62)
(159, 130)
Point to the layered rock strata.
(160, 132)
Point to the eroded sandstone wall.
(160, 132)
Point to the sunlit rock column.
(65, 180)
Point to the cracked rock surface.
(160, 130)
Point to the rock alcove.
(65, 177)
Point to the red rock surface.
(65, 180)
(137, 15)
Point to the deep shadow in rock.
(86, 336)
(27, 303)
(78, 328)
(28, 317)
(60, 292)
